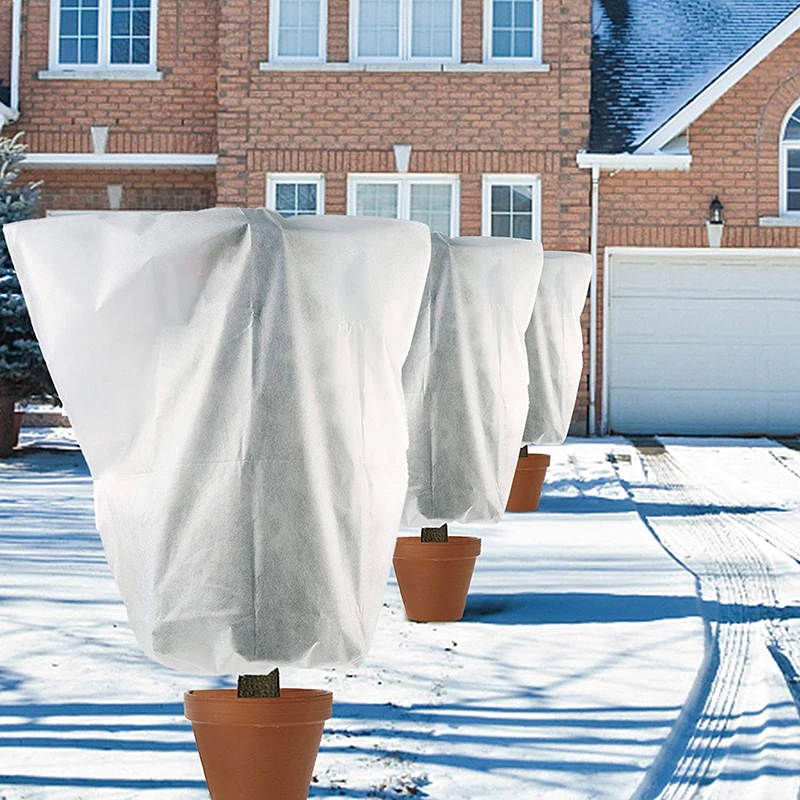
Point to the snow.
(635, 637)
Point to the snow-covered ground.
(636, 637)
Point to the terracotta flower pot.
(18, 415)
(526, 490)
(261, 748)
(434, 577)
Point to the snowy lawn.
(636, 637)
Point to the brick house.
(466, 114)
(695, 100)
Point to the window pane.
(432, 29)
(285, 194)
(793, 201)
(512, 29)
(78, 41)
(522, 198)
(793, 158)
(68, 51)
(120, 51)
(69, 23)
(501, 198)
(376, 200)
(379, 28)
(88, 51)
(431, 203)
(523, 226)
(307, 197)
(298, 28)
(523, 44)
(141, 51)
(792, 132)
(296, 199)
(501, 225)
(130, 31)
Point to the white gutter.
(614, 162)
(16, 32)
(120, 160)
(593, 303)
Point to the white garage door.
(703, 341)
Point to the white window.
(432, 199)
(790, 164)
(102, 34)
(511, 206)
(512, 30)
(405, 30)
(296, 194)
(298, 30)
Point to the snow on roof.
(651, 57)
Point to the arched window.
(790, 163)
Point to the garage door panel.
(642, 319)
(674, 366)
(704, 342)
(737, 278)
(695, 412)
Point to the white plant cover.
(234, 380)
(555, 346)
(466, 379)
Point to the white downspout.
(593, 304)
(16, 33)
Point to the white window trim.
(274, 28)
(515, 179)
(488, 58)
(274, 178)
(404, 49)
(404, 181)
(104, 64)
(783, 161)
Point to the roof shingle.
(651, 57)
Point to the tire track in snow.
(736, 584)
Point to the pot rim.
(455, 548)
(534, 461)
(223, 707)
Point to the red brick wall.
(734, 147)
(176, 114)
(5, 41)
(142, 189)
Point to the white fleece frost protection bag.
(554, 340)
(466, 379)
(234, 379)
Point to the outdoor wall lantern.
(715, 223)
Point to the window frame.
(489, 58)
(512, 179)
(783, 160)
(103, 44)
(405, 35)
(403, 181)
(274, 178)
(274, 30)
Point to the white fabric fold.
(554, 341)
(234, 380)
(466, 379)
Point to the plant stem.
(260, 685)
(435, 534)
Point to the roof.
(650, 58)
